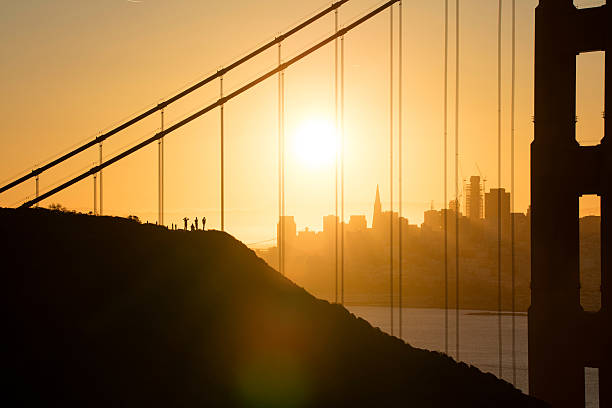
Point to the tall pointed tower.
(376, 219)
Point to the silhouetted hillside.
(108, 312)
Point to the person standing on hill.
(185, 219)
(203, 223)
(196, 223)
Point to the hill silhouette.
(105, 311)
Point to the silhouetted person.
(203, 223)
(185, 219)
(196, 223)
(192, 228)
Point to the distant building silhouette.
(357, 223)
(455, 206)
(329, 225)
(492, 207)
(432, 220)
(473, 199)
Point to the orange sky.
(72, 69)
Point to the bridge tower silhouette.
(563, 338)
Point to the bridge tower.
(563, 338)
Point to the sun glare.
(314, 142)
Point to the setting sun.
(314, 142)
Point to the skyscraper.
(473, 199)
(491, 209)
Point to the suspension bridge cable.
(176, 97)
(391, 166)
(95, 194)
(342, 165)
(336, 142)
(281, 162)
(222, 152)
(37, 187)
(499, 223)
(284, 228)
(279, 233)
(214, 105)
(261, 242)
(160, 175)
(512, 107)
(457, 176)
(445, 176)
(101, 183)
(399, 159)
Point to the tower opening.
(590, 252)
(590, 98)
(591, 387)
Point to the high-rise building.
(432, 219)
(329, 225)
(357, 223)
(473, 199)
(491, 208)
(454, 206)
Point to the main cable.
(210, 107)
(163, 104)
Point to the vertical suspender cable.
(280, 210)
(445, 176)
(101, 183)
(160, 160)
(37, 187)
(336, 145)
(399, 146)
(391, 166)
(95, 193)
(342, 166)
(499, 223)
(282, 128)
(457, 176)
(512, 103)
(222, 158)
(279, 238)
